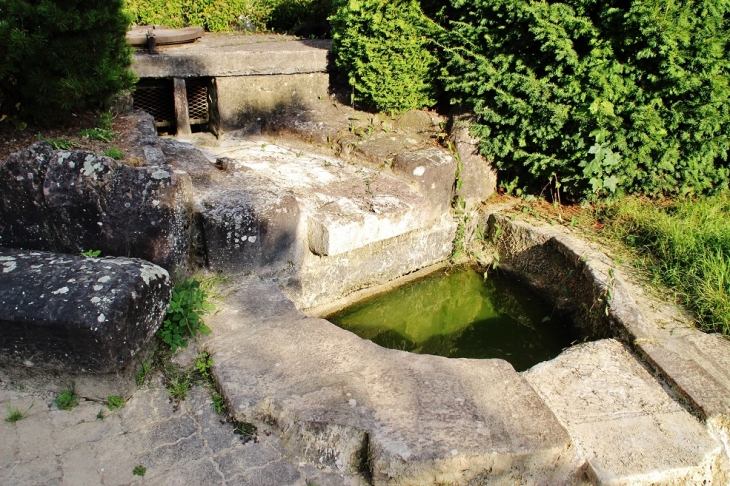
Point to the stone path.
(188, 446)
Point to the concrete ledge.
(76, 314)
(219, 55)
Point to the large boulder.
(76, 314)
(75, 201)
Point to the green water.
(457, 314)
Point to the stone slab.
(628, 428)
(407, 419)
(478, 176)
(234, 55)
(432, 170)
(77, 314)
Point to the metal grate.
(197, 91)
(155, 97)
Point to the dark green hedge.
(609, 96)
(384, 47)
(59, 56)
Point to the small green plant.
(184, 314)
(217, 403)
(58, 143)
(203, 363)
(67, 400)
(100, 134)
(179, 388)
(114, 153)
(100, 415)
(115, 401)
(91, 253)
(141, 375)
(15, 414)
(105, 120)
(139, 470)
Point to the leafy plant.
(384, 47)
(114, 401)
(179, 388)
(203, 363)
(58, 143)
(184, 314)
(217, 403)
(607, 97)
(58, 57)
(67, 400)
(91, 253)
(139, 470)
(100, 134)
(141, 375)
(15, 414)
(114, 153)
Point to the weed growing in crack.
(184, 314)
(67, 400)
(139, 470)
(115, 401)
(15, 414)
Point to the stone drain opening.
(458, 313)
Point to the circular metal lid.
(163, 36)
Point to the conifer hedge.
(58, 56)
(610, 96)
(386, 49)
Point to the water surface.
(458, 314)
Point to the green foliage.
(384, 48)
(56, 57)
(100, 134)
(609, 96)
(217, 403)
(114, 153)
(203, 363)
(179, 388)
(139, 470)
(15, 414)
(226, 15)
(684, 245)
(91, 253)
(67, 400)
(114, 401)
(184, 314)
(58, 143)
(141, 375)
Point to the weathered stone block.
(75, 201)
(478, 176)
(432, 170)
(76, 314)
(248, 230)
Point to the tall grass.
(686, 245)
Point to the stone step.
(630, 431)
(407, 419)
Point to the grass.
(100, 134)
(67, 400)
(114, 153)
(15, 414)
(114, 401)
(684, 245)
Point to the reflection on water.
(457, 314)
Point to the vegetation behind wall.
(59, 56)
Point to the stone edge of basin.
(587, 275)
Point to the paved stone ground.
(188, 446)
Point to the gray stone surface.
(248, 103)
(407, 419)
(220, 55)
(432, 170)
(625, 424)
(73, 201)
(318, 225)
(478, 176)
(77, 314)
(185, 445)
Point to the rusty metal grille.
(197, 91)
(155, 96)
